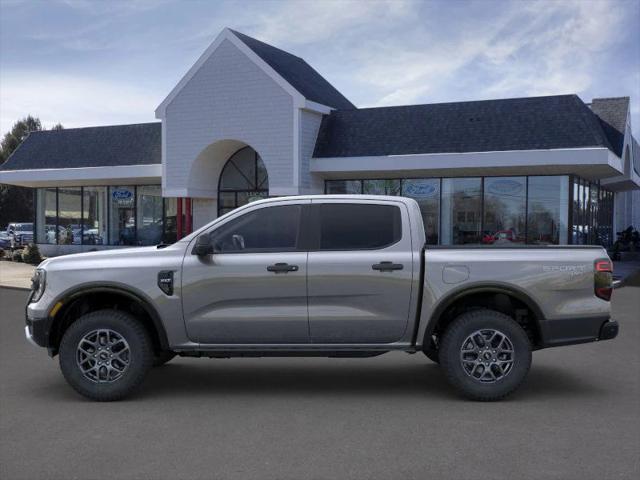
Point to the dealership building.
(250, 121)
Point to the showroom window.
(537, 210)
(123, 215)
(426, 191)
(46, 216)
(149, 215)
(461, 210)
(69, 216)
(94, 215)
(122, 218)
(505, 203)
(548, 206)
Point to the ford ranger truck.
(332, 276)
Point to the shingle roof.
(612, 113)
(532, 123)
(115, 145)
(298, 73)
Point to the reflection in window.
(94, 216)
(381, 187)
(548, 199)
(122, 224)
(461, 210)
(273, 229)
(170, 234)
(504, 210)
(149, 215)
(427, 193)
(69, 216)
(349, 187)
(46, 216)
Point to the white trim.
(190, 193)
(226, 34)
(470, 160)
(42, 177)
(296, 147)
(317, 107)
(163, 153)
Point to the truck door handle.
(282, 268)
(387, 266)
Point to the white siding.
(309, 126)
(229, 97)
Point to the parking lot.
(393, 416)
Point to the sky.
(85, 63)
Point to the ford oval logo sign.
(420, 190)
(121, 194)
(506, 187)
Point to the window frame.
(313, 234)
(300, 237)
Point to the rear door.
(253, 289)
(359, 271)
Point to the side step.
(282, 353)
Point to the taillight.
(603, 278)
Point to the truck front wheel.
(485, 354)
(104, 355)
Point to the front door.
(360, 272)
(253, 288)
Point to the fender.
(112, 287)
(481, 287)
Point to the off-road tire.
(451, 347)
(140, 358)
(163, 357)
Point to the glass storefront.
(243, 180)
(501, 210)
(505, 207)
(120, 215)
(69, 217)
(47, 216)
(461, 211)
(94, 215)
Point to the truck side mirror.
(203, 245)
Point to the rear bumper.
(572, 331)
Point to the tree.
(16, 203)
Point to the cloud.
(72, 100)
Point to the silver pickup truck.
(334, 276)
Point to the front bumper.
(37, 331)
(573, 331)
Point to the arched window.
(243, 179)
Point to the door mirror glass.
(203, 246)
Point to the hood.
(120, 253)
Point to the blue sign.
(417, 189)
(122, 194)
(505, 187)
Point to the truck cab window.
(356, 226)
(270, 229)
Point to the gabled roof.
(612, 113)
(298, 73)
(292, 73)
(533, 123)
(110, 146)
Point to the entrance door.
(360, 274)
(253, 288)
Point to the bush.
(16, 256)
(31, 254)
(1, 253)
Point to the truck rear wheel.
(485, 354)
(104, 355)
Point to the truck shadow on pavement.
(189, 380)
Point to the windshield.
(23, 227)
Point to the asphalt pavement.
(576, 417)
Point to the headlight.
(38, 283)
